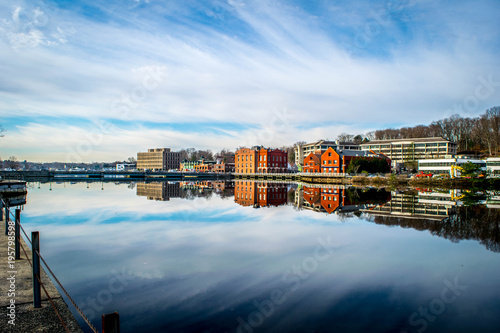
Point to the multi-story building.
(272, 160)
(312, 163)
(204, 166)
(245, 160)
(449, 166)
(224, 164)
(158, 159)
(493, 165)
(223, 167)
(187, 165)
(331, 161)
(409, 150)
(260, 159)
(302, 151)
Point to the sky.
(84, 81)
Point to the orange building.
(330, 161)
(312, 163)
(245, 160)
(272, 161)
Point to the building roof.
(324, 142)
(432, 139)
(360, 153)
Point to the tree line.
(472, 134)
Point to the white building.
(125, 166)
(412, 149)
(449, 166)
(493, 165)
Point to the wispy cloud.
(234, 63)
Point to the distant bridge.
(112, 175)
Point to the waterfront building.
(260, 159)
(272, 160)
(187, 165)
(158, 159)
(450, 166)
(302, 151)
(312, 163)
(224, 164)
(493, 165)
(125, 166)
(401, 151)
(223, 167)
(245, 160)
(204, 166)
(331, 161)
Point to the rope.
(45, 290)
(57, 280)
(67, 295)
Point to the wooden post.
(111, 323)
(17, 229)
(35, 249)
(6, 220)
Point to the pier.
(17, 301)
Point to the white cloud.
(291, 62)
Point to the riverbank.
(458, 183)
(18, 290)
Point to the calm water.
(249, 257)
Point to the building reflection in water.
(452, 214)
(260, 194)
(159, 191)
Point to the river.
(272, 257)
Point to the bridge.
(111, 175)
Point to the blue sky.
(100, 81)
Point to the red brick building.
(330, 161)
(262, 160)
(272, 161)
(312, 163)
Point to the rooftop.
(433, 139)
(336, 142)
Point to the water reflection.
(198, 256)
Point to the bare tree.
(345, 137)
(12, 163)
(132, 160)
